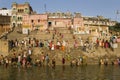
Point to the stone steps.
(43, 37)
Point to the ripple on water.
(89, 72)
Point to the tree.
(115, 28)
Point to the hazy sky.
(106, 8)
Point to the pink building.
(59, 19)
(78, 22)
(59, 22)
(35, 21)
(78, 25)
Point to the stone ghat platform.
(73, 55)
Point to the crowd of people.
(57, 42)
(100, 42)
(26, 61)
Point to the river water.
(89, 72)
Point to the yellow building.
(18, 10)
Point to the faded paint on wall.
(38, 21)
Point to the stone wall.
(4, 49)
(4, 28)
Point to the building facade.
(5, 22)
(22, 16)
(17, 11)
(5, 11)
(97, 25)
(78, 23)
(81, 24)
(59, 19)
(35, 21)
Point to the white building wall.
(6, 12)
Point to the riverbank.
(59, 46)
(73, 56)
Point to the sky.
(106, 8)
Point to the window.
(93, 30)
(20, 10)
(38, 20)
(14, 8)
(25, 8)
(19, 18)
(14, 17)
(32, 21)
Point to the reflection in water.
(89, 72)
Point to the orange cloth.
(63, 48)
